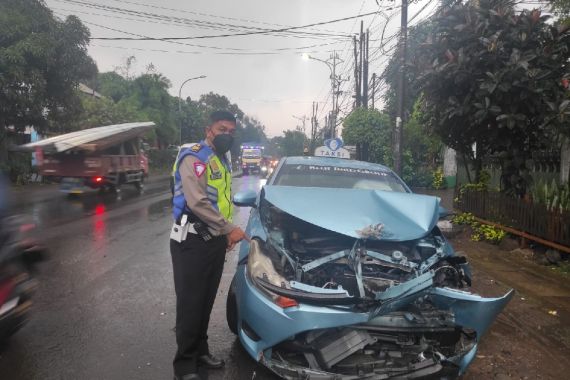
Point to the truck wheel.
(140, 184)
(231, 308)
(117, 187)
(118, 193)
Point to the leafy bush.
(438, 180)
(416, 177)
(487, 232)
(463, 218)
(481, 231)
(17, 168)
(553, 196)
(161, 159)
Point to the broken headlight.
(260, 269)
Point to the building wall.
(450, 167)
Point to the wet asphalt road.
(105, 305)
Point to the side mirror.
(245, 198)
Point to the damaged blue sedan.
(348, 276)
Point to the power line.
(204, 24)
(178, 10)
(250, 53)
(234, 34)
(346, 55)
(247, 51)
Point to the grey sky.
(270, 87)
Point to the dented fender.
(471, 310)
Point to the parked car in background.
(347, 276)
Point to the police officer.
(201, 235)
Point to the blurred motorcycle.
(19, 254)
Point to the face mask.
(223, 143)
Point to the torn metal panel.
(400, 262)
(470, 310)
(323, 260)
(406, 288)
(314, 289)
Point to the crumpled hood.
(355, 212)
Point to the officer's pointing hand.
(235, 237)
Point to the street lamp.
(335, 86)
(180, 101)
(307, 56)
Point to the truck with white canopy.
(96, 158)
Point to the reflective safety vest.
(218, 177)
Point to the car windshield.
(338, 177)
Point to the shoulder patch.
(199, 169)
(196, 148)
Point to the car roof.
(331, 161)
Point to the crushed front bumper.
(422, 370)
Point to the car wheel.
(231, 308)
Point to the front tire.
(231, 308)
(139, 185)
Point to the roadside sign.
(332, 148)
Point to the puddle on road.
(160, 207)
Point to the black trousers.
(198, 267)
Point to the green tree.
(212, 102)
(42, 61)
(146, 97)
(562, 9)
(192, 119)
(113, 86)
(291, 143)
(141, 98)
(248, 129)
(149, 92)
(100, 112)
(417, 35)
(493, 77)
(369, 128)
(253, 130)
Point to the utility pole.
(373, 89)
(361, 63)
(361, 60)
(303, 120)
(335, 90)
(334, 97)
(365, 70)
(357, 98)
(398, 130)
(314, 126)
